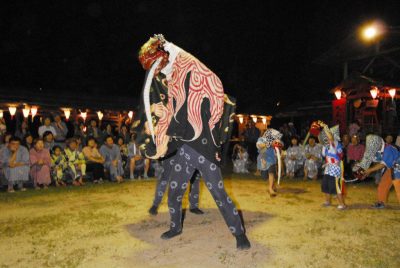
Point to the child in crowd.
(240, 159)
(76, 162)
(58, 166)
(294, 157)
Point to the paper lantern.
(374, 92)
(264, 120)
(67, 113)
(1, 114)
(392, 92)
(240, 117)
(84, 115)
(100, 115)
(25, 112)
(130, 114)
(12, 110)
(254, 119)
(338, 94)
(34, 111)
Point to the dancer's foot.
(272, 193)
(196, 211)
(378, 205)
(153, 210)
(341, 207)
(170, 234)
(242, 243)
(326, 204)
(119, 179)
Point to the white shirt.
(44, 128)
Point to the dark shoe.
(153, 210)
(170, 234)
(196, 211)
(378, 205)
(242, 243)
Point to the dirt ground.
(108, 226)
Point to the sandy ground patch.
(108, 226)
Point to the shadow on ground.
(289, 190)
(205, 242)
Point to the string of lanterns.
(264, 118)
(26, 111)
(374, 91)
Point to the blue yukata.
(390, 157)
(333, 154)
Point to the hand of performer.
(161, 149)
(157, 109)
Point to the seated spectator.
(134, 156)
(355, 150)
(40, 164)
(240, 159)
(353, 153)
(80, 142)
(123, 148)
(61, 131)
(46, 127)
(124, 133)
(313, 155)
(80, 131)
(76, 162)
(3, 128)
(94, 160)
(48, 139)
(294, 157)
(6, 140)
(113, 162)
(22, 129)
(354, 128)
(58, 166)
(15, 161)
(28, 141)
(107, 132)
(389, 139)
(94, 131)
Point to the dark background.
(263, 51)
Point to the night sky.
(263, 51)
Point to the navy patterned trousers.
(167, 165)
(186, 161)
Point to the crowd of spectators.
(55, 153)
(303, 158)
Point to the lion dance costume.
(188, 125)
(386, 159)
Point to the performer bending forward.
(190, 118)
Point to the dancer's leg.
(194, 191)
